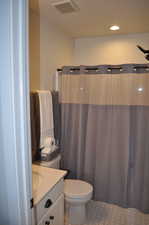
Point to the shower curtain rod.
(108, 68)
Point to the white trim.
(15, 114)
(21, 100)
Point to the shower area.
(105, 138)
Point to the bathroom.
(85, 56)
(74, 102)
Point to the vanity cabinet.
(50, 210)
(55, 215)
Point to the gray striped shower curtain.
(105, 131)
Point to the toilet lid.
(77, 188)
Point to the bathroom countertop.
(44, 179)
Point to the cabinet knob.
(48, 203)
(51, 217)
(47, 223)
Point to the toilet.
(77, 194)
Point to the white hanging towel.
(46, 116)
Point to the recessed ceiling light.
(114, 27)
(140, 89)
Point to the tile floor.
(99, 213)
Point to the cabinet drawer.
(55, 215)
(47, 202)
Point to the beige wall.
(50, 49)
(34, 50)
(56, 50)
(110, 50)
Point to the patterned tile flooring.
(99, 213)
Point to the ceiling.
(96, 16)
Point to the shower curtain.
(105, 131)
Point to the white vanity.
(48, 196)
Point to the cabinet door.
(55, 215)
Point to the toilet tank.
(55, 163)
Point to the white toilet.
(77, 194)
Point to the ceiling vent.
(65, 6)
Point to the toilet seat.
(77, 189)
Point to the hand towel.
(46, 116)
(35, 125)
(57, 116)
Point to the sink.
(36, 181)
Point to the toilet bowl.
(77, 194)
